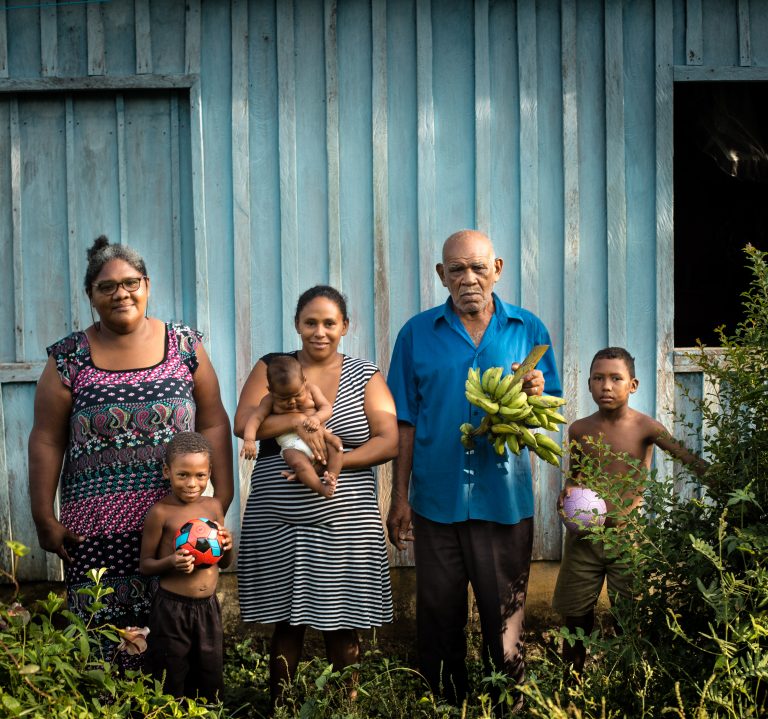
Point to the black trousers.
(186, 642)
(495, 559)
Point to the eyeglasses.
(109, 287)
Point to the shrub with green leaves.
(52, 663)
(694, 643)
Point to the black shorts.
(186, 643)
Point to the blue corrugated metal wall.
(252, 149)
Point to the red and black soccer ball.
(200, 537)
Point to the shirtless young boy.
(622, 431)
(185, 640)
(290, 393)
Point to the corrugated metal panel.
(341, 141)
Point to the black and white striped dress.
(305, 559)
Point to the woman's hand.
(315, 441)
(53, 536)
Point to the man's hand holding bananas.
(511, 412)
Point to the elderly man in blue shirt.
(469, 512)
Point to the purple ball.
(583, 509)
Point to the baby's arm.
(252, 427)
(665, 441)
(151, 536)
(323, 409)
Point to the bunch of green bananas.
(510, 414)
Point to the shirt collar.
(502, 311)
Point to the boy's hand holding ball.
(184, 561)
(225, 538)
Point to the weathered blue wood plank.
(664, 222)
(241, 216)
(758, 26)
(267, 303)
(3, 41)
(289, 250)
(21, 371)
(167, 24)
(5, 493)
(241, 208)
(694, 38)
(7, 306)
(547, 529)
(49, 42)
(639, 130)
(312, 169)
(454, 98)
(72, 40)
(380, 168)
(745, 36)
(122, 177)
(192, 37)
(17, 410)
(356, 180)
(593, 261)
(483, 187)
(381, 249)
(572, 385)
(551, 220)
(143, 30)
(16, 224)
(23, 37)
(176, 244)
(97, 130)
(529, 155)
(615, 174)
(332, 142)
(73, 244)
(426, 181)
(402, 141)
(96, 57)
(202, 306)
(119, 22)
(720, 32)
(505, 145)
(148, 194)
(720, 74)
(687, 427)
(101, 83)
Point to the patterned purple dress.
(112, 473)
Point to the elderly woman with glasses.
(108, 401)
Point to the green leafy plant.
(52, 663)
(694, 642)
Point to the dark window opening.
(721, 201)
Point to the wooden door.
(74, 165)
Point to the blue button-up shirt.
(429, 367)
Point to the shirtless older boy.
(619, 431)
(185, 639)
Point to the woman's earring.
(146, 310)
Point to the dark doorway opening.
(721, 201)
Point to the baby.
(289, 392)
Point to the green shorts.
(583, 569)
